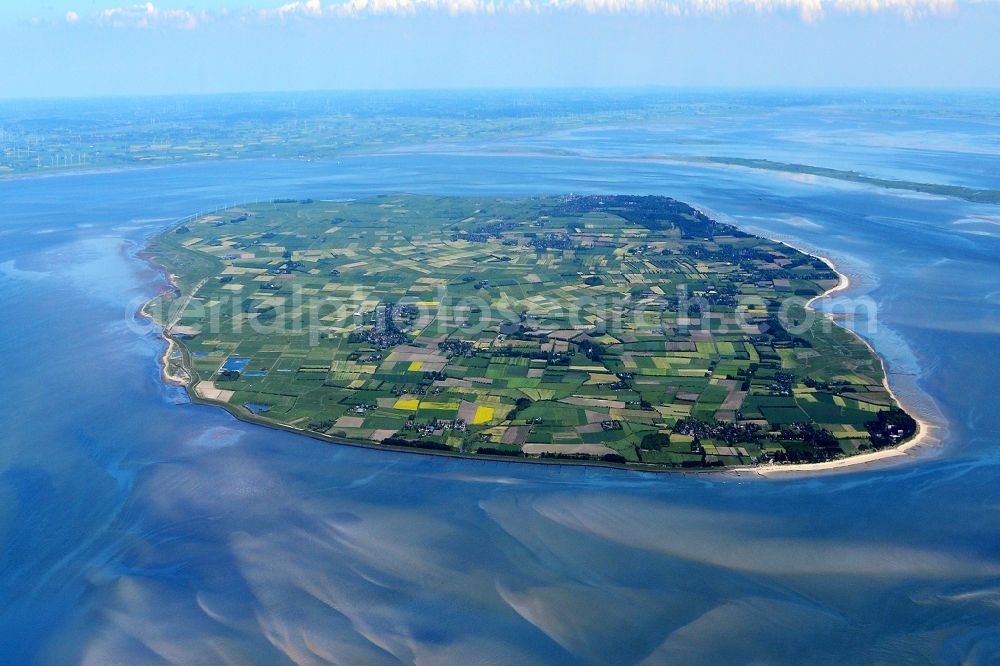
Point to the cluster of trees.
(776, 329)
(806, 442)
(725, 431)
(607, 457)
(655, 441)
(416, 444)
(491, 451)
(890, 427)
(594, 351)
(653, 212)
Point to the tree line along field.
(618, 329)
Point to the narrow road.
(183, 305)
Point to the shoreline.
(163, 334)
(922, 438)
(859, 462)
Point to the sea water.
(137, 527)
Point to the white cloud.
(72, 17)
(808, 10)
(148, 15)
(908, 8)
(410, 7)
(299, 8)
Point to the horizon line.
(652, 87)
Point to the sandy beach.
(164, 333)
(171, 347)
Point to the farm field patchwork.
(618, 329)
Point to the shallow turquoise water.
(136, 527)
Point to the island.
(620, 330)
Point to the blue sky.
(105, 47)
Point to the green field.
(625, 330)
